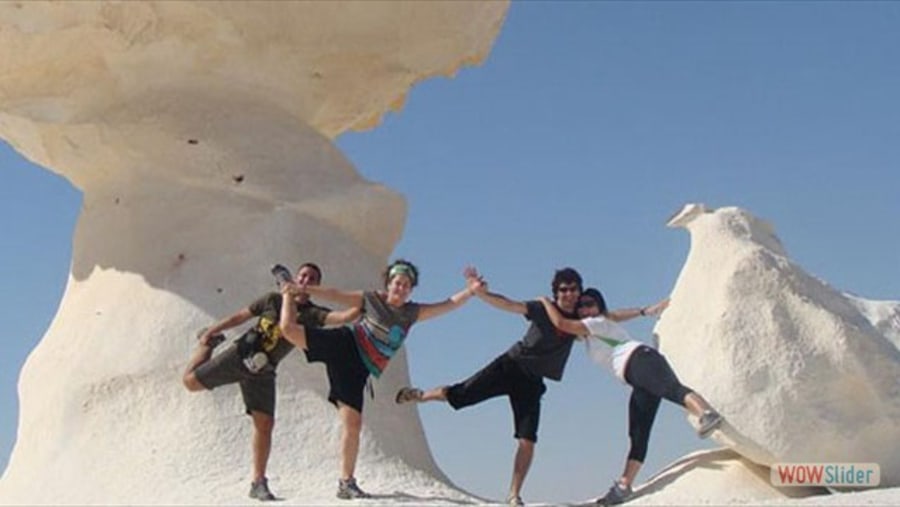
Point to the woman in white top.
(637, 365)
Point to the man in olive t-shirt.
(205, 372)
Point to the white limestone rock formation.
(200, 134)
(795, 365)
(720, 477)
(884, 316)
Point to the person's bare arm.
(338, 317)
(504, 303)
(624, 314)
(498, 300)
(233, 320)
(473, 284)
(561, 322)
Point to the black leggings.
(652, 378)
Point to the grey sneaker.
(348, 490)
(408, 394)
(515, 501)
(617, 494)
(709, 422)
(260, 490)
(213, 341)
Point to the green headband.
(402, 269)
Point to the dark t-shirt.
(544, 349)
(268, 309)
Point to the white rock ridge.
(718, 477)
(801, 370)
(200, 134)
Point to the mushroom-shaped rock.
(800, 373)
(200, 135)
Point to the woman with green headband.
(354, 352)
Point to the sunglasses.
(587, 303)
(567, 288)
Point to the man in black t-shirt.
(519, 372)
(250, 361)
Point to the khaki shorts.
(227, 367)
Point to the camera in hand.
(251, 351)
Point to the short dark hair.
(565, 275)
(401, 266)
(597, 296)
(313, 266)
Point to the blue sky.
(588, 125)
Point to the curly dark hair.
(566, 275)
(401, 266)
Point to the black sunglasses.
(567, 288)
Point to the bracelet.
(643, 311)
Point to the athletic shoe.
(260, 490)
(709, 422)
(408, 394)
(617, 494)
(515, 501)
(213, 341)
(348, 490)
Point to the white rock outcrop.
(884, 316)
(802, 371)
(719, 477)
(200, 134)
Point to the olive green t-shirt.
(268, 309)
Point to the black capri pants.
(652, 378)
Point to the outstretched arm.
(624, 314)
(432, 310)
(562, 323)
(504, 303)
(338, 317)
(234, 320)
(498, 300)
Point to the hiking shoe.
(408, 394)
(348, 490)
(617, 494)
(213, 341)
(709, 422)
(260, 490)
(515, 501)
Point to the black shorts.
(504, 376)
(227, 367)
(347, 374)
